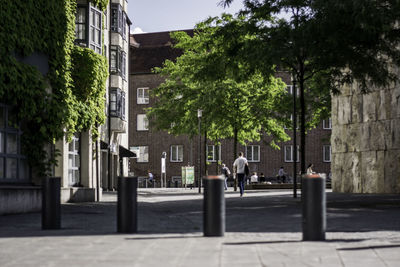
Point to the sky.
(168, 15)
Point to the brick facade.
(140, 76)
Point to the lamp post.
(199, 114)
(294, 138)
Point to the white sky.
(167, 15)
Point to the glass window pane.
(12, 144)
(173, 153)
(180, 153)
(81, 15)
(256, 153)
(11, 167)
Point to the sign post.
(163, 172)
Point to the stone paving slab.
(262, 229)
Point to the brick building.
(150, 50)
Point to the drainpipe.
(108, 115)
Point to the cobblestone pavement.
(263, 228)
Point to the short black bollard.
(314, 207)
(51, 203)
(127, 205)
(214, 206)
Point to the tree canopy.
(236, 103)
(324, 43)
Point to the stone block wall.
(366, 140)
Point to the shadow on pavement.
(253, 213)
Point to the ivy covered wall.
(66, 93)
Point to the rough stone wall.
(366, 140)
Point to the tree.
(236, 103)
(324, 43)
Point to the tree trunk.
(302, 123)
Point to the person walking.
(282, 175)
(226, 172)
(150, 178)
(239, 169)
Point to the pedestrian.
(226, 172)
(150, 178)
(309, 169)
(239, 169)
(262, 178)
(254, 178)
(282, 175)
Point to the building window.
(95, 30)
(213, 153)
(176, 153)
(74, 162)
(94, 24)
(327, 153)
(253, 153)
(117, 103)
(118, 20)
(80, 26)
(143, 95)
(142, 122)
(123, 65)
(117, 61)
(124, 25)
(289, 154)
(327, 124)
(13, 165)
(143, 155)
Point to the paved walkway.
(262, 229)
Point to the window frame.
(22, 170)
(144, 123)
(252, 153)
(97, 28)
(84, 41)
(291, 153)
(177, 148)
(120, 99)
(214, 153)
(145, 100)
(324, 153)
(141, 158)
(324, 126)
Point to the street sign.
(162, 165)
(187, 175)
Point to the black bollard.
(51, 203)
(314, 207)
(214, 206)
(127, 205)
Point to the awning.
(126, 153)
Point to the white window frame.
(211, 151)
(141, 98)
(142, 123)
(327, 124)
(74, 161)
(251, 158)
(143, 155)
(95, 44)
(177, 149)
(289, 158)
(324, 148)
